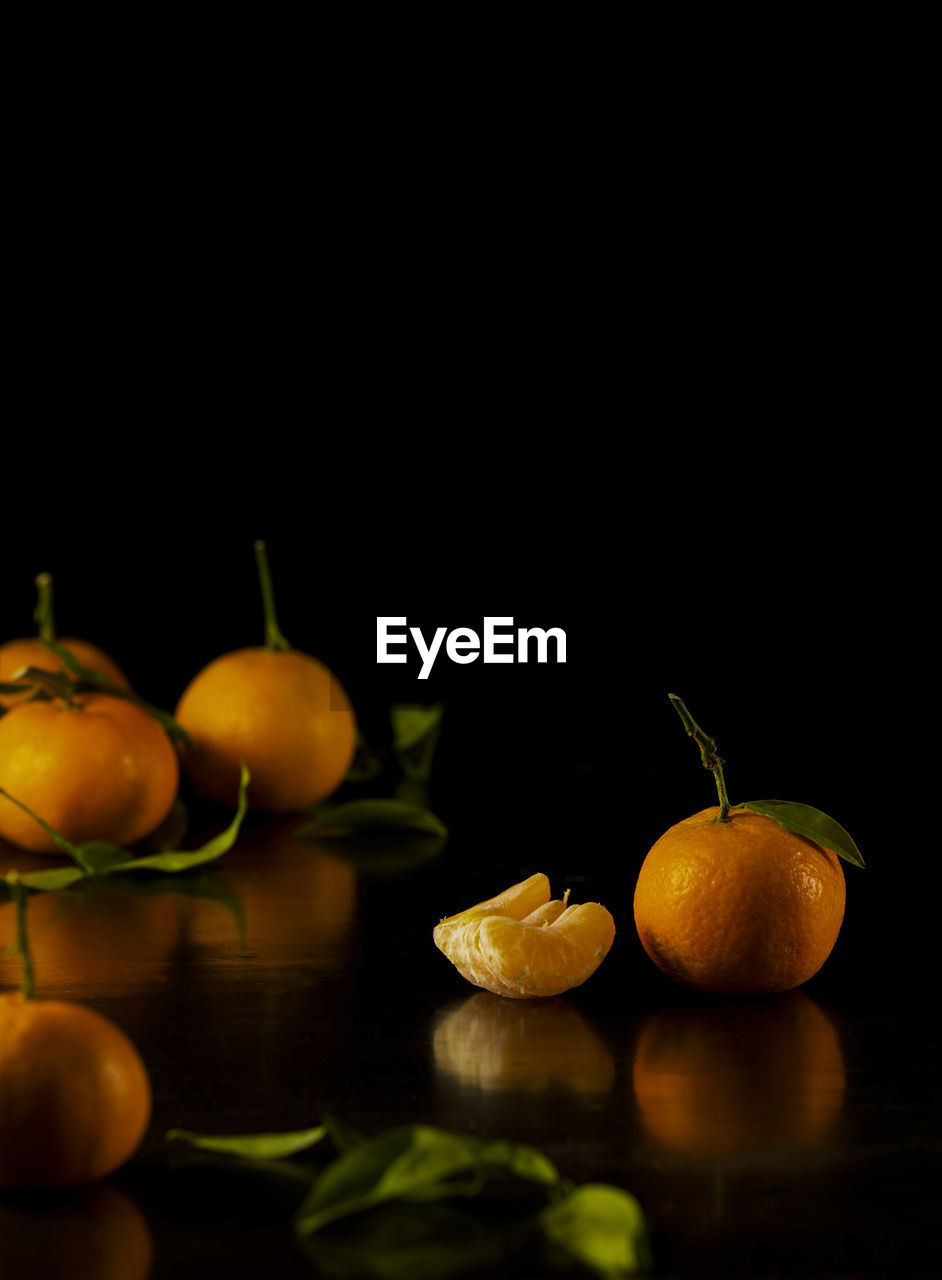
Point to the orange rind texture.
(524, 944)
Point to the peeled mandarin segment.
(544, 961)
(547, 914)
(549, 949)
(517, 901)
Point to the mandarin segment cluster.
(524, 943)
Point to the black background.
(688, 428)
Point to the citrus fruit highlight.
(75, 1099)
(741, 905)
(522, 943)
(95, 768)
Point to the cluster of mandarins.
(95, 765)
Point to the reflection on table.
(724, 1080)
(491, 1044)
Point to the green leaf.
(343, 1135)
(811, 823)
(52, 880)
(12, 688)
(413, 723)
(416, 1162)
(415, 737)
(377, 815)
(99, 856)
(174, 860)
(600, 1227)
(252, 1146)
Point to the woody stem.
(708, 754)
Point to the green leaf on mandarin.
(811, 823)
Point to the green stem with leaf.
(275, 641)
(709, 756)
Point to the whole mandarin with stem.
(280, 710)
(731, 900)
(94, 766)
(33, 651)
(75, 1097)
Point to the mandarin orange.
(75, 1098)
(741, 905)
(96, 767)
(522, 943)
(280, 711)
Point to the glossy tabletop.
(788, 1134)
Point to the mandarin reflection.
(97, 936)
(295, 896)
(272, 895)
(735, 1078)
(493, 1044)
(95, 1234)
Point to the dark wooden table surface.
(790, 1134)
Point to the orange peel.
(523, 943)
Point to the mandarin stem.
(19, 895)
(44, 616)
(274, 640)
(709, 757)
